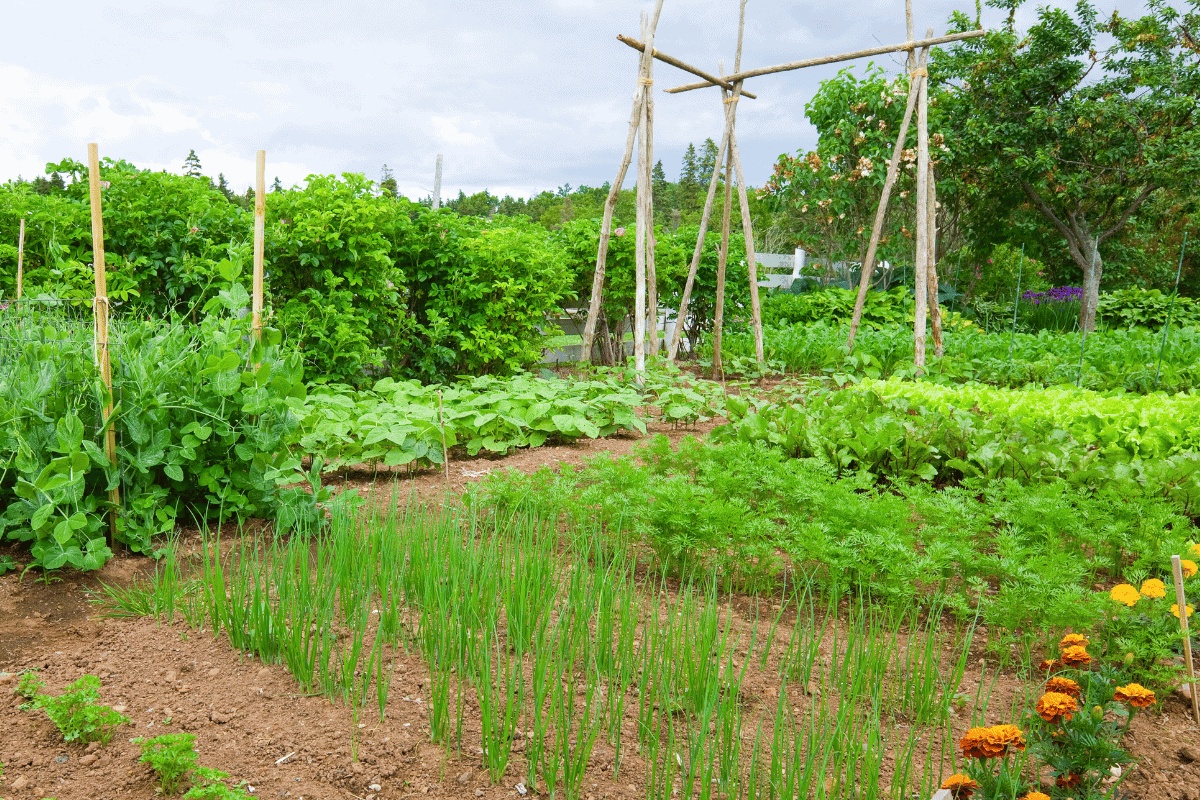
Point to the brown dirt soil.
(251, 721)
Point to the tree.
(276, 186)
(387, 183)
(191, 165)
(1083, 135)
(223, 187)
(658, 179)
(689, 182)
(707, 162)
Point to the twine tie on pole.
(919, 72)
(646, 81)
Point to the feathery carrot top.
(1073, 639)
(1055, 707)
(992, 742)
(1124, 593)
(1135, 695)
(1189, 567)
(1075, 656)
(960, 786)
(1063, 686)
(1175, 609)
(1154, 588)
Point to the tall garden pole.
(935, 309)
(1083, 328)
(751, 256)
(20, 256)
(639, 99)
(260, 227)
(921, 265)
(100, 312)
(868, 264)
(1166, 327)
(437, 184)
(643, 195)
(722, 261)
(1012, 339)
(1181, 604)
(651, 242)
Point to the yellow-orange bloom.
(960, 786)
(1135, 694)
(1175, 609)
(1154, 588)
(1189, 567)
(1073, 639)
(992, 742)
(1124, 593)
(1036, 796)
(1048, 664)
(1063, 686)
(1055, 707)
(1195, 549)
(1075, 656)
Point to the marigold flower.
(1175, 609)
(1036, 796)
(1189, 567)
(1075, 656)
(1068, 781)
(992, 742)
(1063, 686)
(1073, 639)
(1195, 548)
(1048, 664)
(1154, 588)
(1055, 707)
(1124, 593)
(1135, 695)
(960, 785)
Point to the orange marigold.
(1195, 549)
(1175, 609)
(1036, 796)
(1135, 695)
(1075, 656)
(1189, 567)
(1072, 639)
(1124, 593)
(992, 742)
(1063, 686)
(1068, 781)
(1048, 664)
(960, 786)
(1055, 707)
(1154, 588)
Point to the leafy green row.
(1125, 359)
(1147, 426)
(901, 438)
(1025, 557)
(403, 422)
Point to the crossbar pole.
(713, 80)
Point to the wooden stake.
(722, 260)
(935, 308)
(921, 265)
(1181, 602)
(437, 184)
(20, 256)
(929, 41)
(100, 312)
(445, 450)
(639, 256)
(724, 83)
(868, 264)
(260, 227)
(751, 256)
(639, 98)
(908, 31)
(730, 115)
(651, 241)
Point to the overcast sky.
(518, 95)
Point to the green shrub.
(1146, 309)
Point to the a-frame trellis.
(732, 91)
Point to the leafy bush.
(1146, 309)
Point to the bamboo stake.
(437, 184)
(639, 98)
(921, 265)
(20, 256)
(724, 83)
(260, 226)
(1181, 602)
(445, 450)
(935, 309)
(722, 260)
(100, 312)
(730, 114)
(651, 242)
(639, 256)
(868, 264)
(908, 29)
(929, 41)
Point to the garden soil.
(251, 720)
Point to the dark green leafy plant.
(78, 714)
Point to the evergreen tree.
(57, 183)
(191, 165)
(277, 186)
(387, 183)
(689, 183)
(707, 162)
(658, 179)
(222, 186)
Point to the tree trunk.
(1093, 267)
